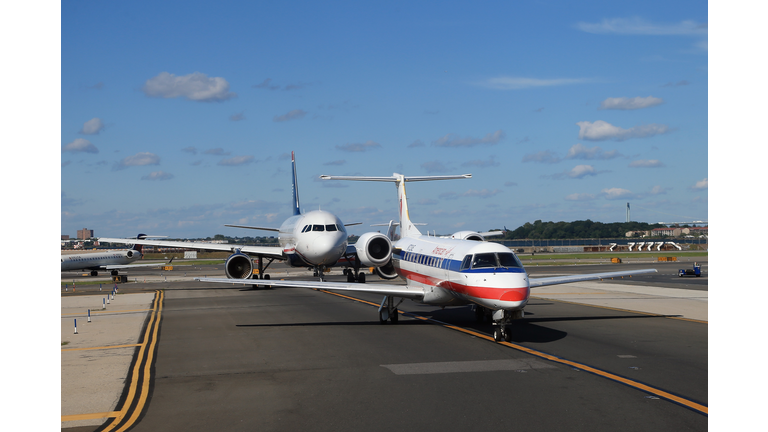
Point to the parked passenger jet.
(444, 271)
(109, 260)
(317, 239)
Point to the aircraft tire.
(361, 277)
(394, 317)
(497, 334)
(382, 320)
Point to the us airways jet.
(109, 260)
(316, 239)
(444, 271)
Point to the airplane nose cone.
(326, 249)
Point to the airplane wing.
(125, 266)
(383, 289)
(266, 251)
(544, 281)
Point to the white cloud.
(357, 147)
(158, 175)
(291, 115)
(638, 26)
(659, 190)
(481, 163)
(581, 171)
(580, 197)
(80, 145)
(517, 83)
(646, 163)
(450, 140)
(195, 87)
(139, 159)
(622, 103)
(600, 131)
(580, 151)
(92, 126)
(616, 193)
(702, 184)
(237, 160)
(434, 167)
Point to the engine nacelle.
(387, 271)
(374, 250)
(129, 254)
(239, 266)
(468, 235)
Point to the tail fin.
(407, 228)
(296, 206)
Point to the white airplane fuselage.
(458, 272)
(316, 238)
(98, 260)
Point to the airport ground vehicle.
(695, 271)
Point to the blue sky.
(179, 117)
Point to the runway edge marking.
(695, 406)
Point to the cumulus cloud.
(600, 131)
(139, 159)
(580, 197)
(659, 190)
(92, 126)
(544, 156)
(266, 84)
(80, 145)
(623, 103)
(291, 115)
(517, 83)
(616, 193)
(451, 140)
(190, 149)
(638, 26)
(158, 175)
(195, 87)
(236, 161)
(417, 143)
(358, 147)
(646, 163)
(581, 171)
(238, 117)
(580, 151)
(701, 184)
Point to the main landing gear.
(353, 274)
(388, 310)
(261, 274)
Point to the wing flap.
(538, 282)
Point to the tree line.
(576, 230)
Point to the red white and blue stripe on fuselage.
(456, 272)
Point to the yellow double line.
(703, 409)
(140, 378)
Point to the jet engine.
(239, 266)
(129, 254)
(468, 235)
(375, 250)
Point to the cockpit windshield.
(318, 227)
(331, 227)
(491, 260)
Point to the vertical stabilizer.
(407, 228)
(296, 206)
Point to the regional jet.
(444, 271)
(316, 239)
(109, 260)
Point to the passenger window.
(331, 227)
(318, 227)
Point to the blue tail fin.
(296, 206)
